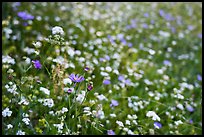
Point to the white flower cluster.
(8, 59)
(81, 96)
(11, 87)
(45, 90)
(154, 116)
(23, 101)
(25, 119)
(64, 110)
(57, 30)
(120, 123)
(37, 44)
(59, 127)
(67, 81)
(6, 112)
(47, 102)
(20, 132)
(136, 104)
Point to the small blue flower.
(114, 103)
(106, 82)
(157, 125)
(110, 132)
(25, 16)
(37, 64)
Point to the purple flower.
(146, 15)
(107, 57)
(157, 125)
(121, 78)
(191, 121)
(199, 77)
(200, 35)
(161, 12)
(144, 25)
(25, 16)
(76, 78)
(86, 68)
(189, 108)
(90, 87)
(114, 103)
(167, 62)
(37, 64)
(128, 82)
(106, 82)
(110, 132)
(70, 90)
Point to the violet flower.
(76, 78)
(157, 125)
(114, 103)
(37, 64)
(90, 87)
(106, 82)
(25, 16)
(110, 132)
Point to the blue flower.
(110, 132)
(157, 125)
(37, 64)
(25, 16)
(106, 82)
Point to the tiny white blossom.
(20, 132)
(153, 115)
(57, 30)
(67, 81)
(45, 90)
(26, 121)
(64, 110)
(6, 112)
(120, 123)
(9, 126)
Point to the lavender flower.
(189, 108)
(86, 68)
(114, 103)
(76, 78)
(110, 132)
(157, 125)
(191, 121)
(121, 78)
(90, 87)
(199, 77)
(25, 16)
(37, 64)
(106, 82)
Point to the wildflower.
(8, 59)
(189, 108)
(46, 91)
(37, 64)
(70, 90)
(67, 80)
(157, 125)
(178, 122)
(48, 102)
(64, 110)
(114, 103)
(191, 121)
(120, 123)
(26, 121)
(9, 126)
(57, 30)
(20, 132)
(153, 115)
(25, 16)
(110, 132)
(86, 69)
(6, 112)
(121, 78)
(76, 78)
(106, 82)
(90, 87)
(199, 77)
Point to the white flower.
(180, 106)
(81, 97)
(37, 44)
(153, 115)
(8, 59)
(67, 80)
(127, 122)
(100, 114)
(48, 102)
(9, 126)
(178, 122)
(109, 69)
(57, 30)
(6, 112)
(120, 123)
(26, 121)
(71, 52)
(112, 115)
(46, 91)
(20, 132)
(64, 110)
